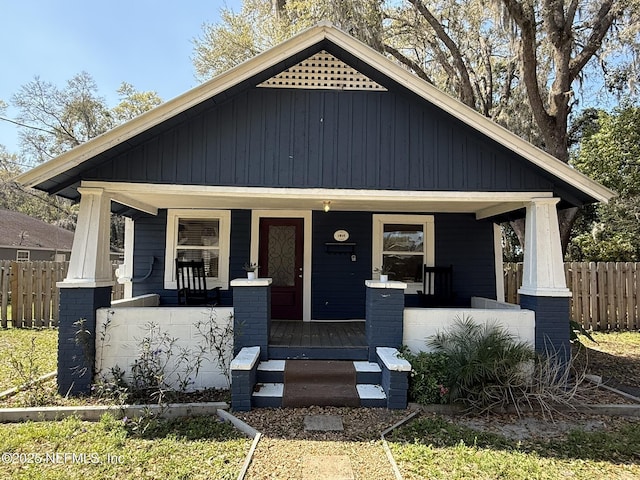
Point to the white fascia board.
(153, 197)
(136, 189)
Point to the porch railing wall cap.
(246, 358)
(256, 282)
(390, 284)
(390, 357)
(80, 283)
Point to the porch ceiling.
(151, 197)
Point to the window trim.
(428, 223)
(18, 259)
(171, 244)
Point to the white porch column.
(543, 274)
(90, 266)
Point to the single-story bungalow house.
(320, 160)
(24, 238)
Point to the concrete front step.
(272, 371)
(269, 390)
(269, 395)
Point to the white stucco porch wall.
(422, 323)
(120, 343)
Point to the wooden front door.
(281, 259)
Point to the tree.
(516, 61)
(262, 24)
(133, 103)
(54, 120)
(551, 41)
(36, 204)
(609, 153)
(238, 37)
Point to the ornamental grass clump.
(487, 368)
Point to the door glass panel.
(282, 255)
(403, 238)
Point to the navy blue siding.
(76, 355)
(467, 244)
(338, 290)
(240, 248)
(149, 243)
(552, 325)
(322, 138)
(337, 284)
(149, 246)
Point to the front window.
(403, 244)
(23, 255)
(199, 235)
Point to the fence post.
(5, 280)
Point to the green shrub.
(428, 380)
(486, 364)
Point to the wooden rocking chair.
(437, 287)
(192, 284)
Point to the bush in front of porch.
(484, 368)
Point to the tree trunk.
(566, 220)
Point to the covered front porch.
(461, 234)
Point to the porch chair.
(192, 284)
(437, 287)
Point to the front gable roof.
(61, 173)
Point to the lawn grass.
(437, 449)
(616, 343)
(615, 356)
(34, 349)
(193, 448)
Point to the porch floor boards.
(295, 333)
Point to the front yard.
(26, 352)
(429, 446)
(194, 448)
(435, 447)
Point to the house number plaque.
(341, 235)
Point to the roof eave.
(273, 56)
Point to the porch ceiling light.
(326, 205)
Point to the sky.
(147, 43)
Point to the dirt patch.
(285, 447)
(530, 426)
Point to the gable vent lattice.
(322, 71)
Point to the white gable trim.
(305, 39)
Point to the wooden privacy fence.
(28, 293)
(605, 294)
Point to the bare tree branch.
(415, 67)
(467, 95)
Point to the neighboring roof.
(54, 175)
(22, 231)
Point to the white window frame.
(428, 224)
(224, 240)
(18, 259)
